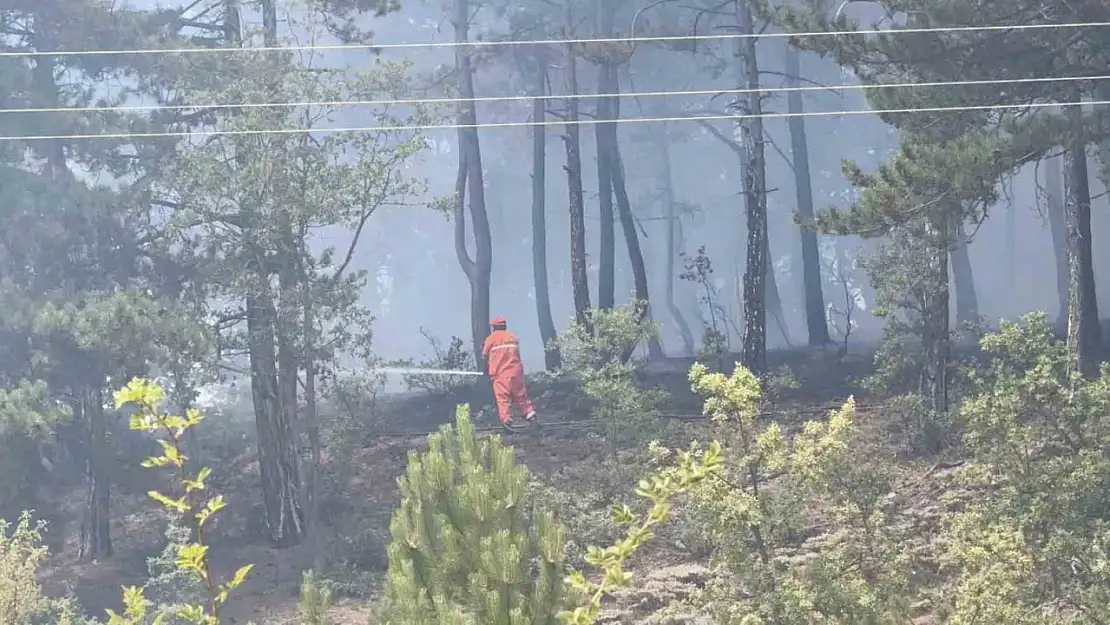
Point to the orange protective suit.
(501, 351)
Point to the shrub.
(761, 508)
(916, 428)
(464, 546)
(21, 598)
(599, 359)
(1032, 542)
(315, 602)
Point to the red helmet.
(498, 322)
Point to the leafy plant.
(761, 507)
(715, 337)
(21, 598)
(1032, 541)
(192, 557)
(315, 601)
(599, 361)
(659, 489)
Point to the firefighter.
(501, 352)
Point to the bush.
(760, 510)
(466, 548)
(1032, 542)
(21, 598)
(598, 356)
(915, 428)
(315, 602)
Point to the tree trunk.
(631, 237)
(1058, 227)
(580, 284)
(277, 456)
(604, 135)
(287, 326)
(96, 529)
(816, 323)
(963, 278)
(935, 320)
(311, 420)
(751, 128)
(552, 358)
(1011, 245)
(470, 178)
(274, 398)
(672, 244)
(1084, 338)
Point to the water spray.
(422, 371)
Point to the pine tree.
(468, 549)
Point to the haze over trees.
(852, 244)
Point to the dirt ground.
(271, 593)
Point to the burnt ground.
(363, 496)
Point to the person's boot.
(531, 418)
(509, 425)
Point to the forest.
(805, 290)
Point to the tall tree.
(470, 181)
(245, 208)
(604, 136)
(755, 194)
(71, 251)
(540, 282)
(958, 160)
(814, 298)
(1053, 193)
(1084, 336)
(580, 284)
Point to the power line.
(580, 122)
(529, 98)
(538, 42)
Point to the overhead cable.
(540, 42)
(529, 98)
(531, 124)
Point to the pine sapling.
(467, 547)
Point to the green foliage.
(766, 499)
(466, 548)
(21, 598)
(315, 602)
(581, 495)
(781, 382)
(659, 489)
(1031, 543)
(168, 584)
(599, 360)
(915, 428)
(192, 557)
(28, 418)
